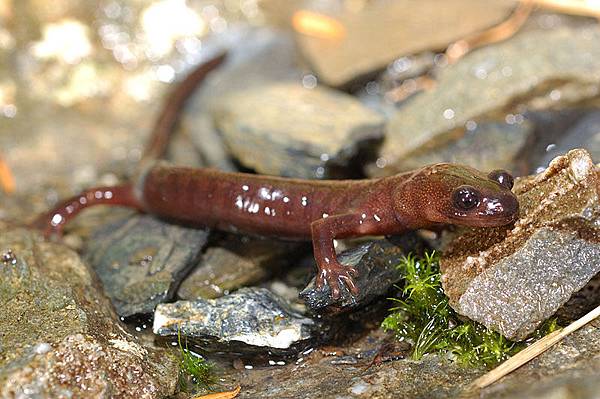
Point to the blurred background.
(348, 88)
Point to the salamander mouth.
(490, 213)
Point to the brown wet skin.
(317, 210)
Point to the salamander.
(296, 209)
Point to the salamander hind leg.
(329, 271)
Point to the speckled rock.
(375, 262)
(382, 31)
(249, 320)
(141, 260)
(487, 146)
(288, 130)
(585, 134)
(236, 262)
(512, 278)
(59, 336)
(537, 69)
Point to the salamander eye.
(465, 198)
(503, 178)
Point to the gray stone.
(249, 320)
(489, 146)
(288, 130)
(235, 263)
(512, 278)
(528, 286)
(255, 56)
(585, 134)
(383, 31)
(375, 262)
(537, 69)
(59, 336)
(141, 260)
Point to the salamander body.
(317, 210)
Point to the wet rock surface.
(319, 374)
(288, 130)
(59, 336)
(585, 134)
(235, 263)
(375, 262)
(377, 33)
(141, 260)
(537, 69)
(511, 279)
(249, 320)
(488, 146)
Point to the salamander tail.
(53, 222)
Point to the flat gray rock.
(288, 130)
(512, 278)
(236, 262)
(255, 56)
(375, 262)
(141, 260)
(487, 146)
(249, 320)
(536, 69)
(585, 134)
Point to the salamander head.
(456, 194)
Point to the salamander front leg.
(329, 270)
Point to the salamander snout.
(484, 207)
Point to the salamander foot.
(336, 275)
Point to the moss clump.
(195, 372)
(423, 317)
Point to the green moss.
(195, 372)
(423, 317)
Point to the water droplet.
(381, 162)
(471, 126)
(9, 257)
(448, 113)
(481, 73)
(9, 110)
(372, 88)
(309, 81)
(56, 220)
(401, 65)
(165, 73)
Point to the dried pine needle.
(588, 8)
(532, 352)
(221, 395)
